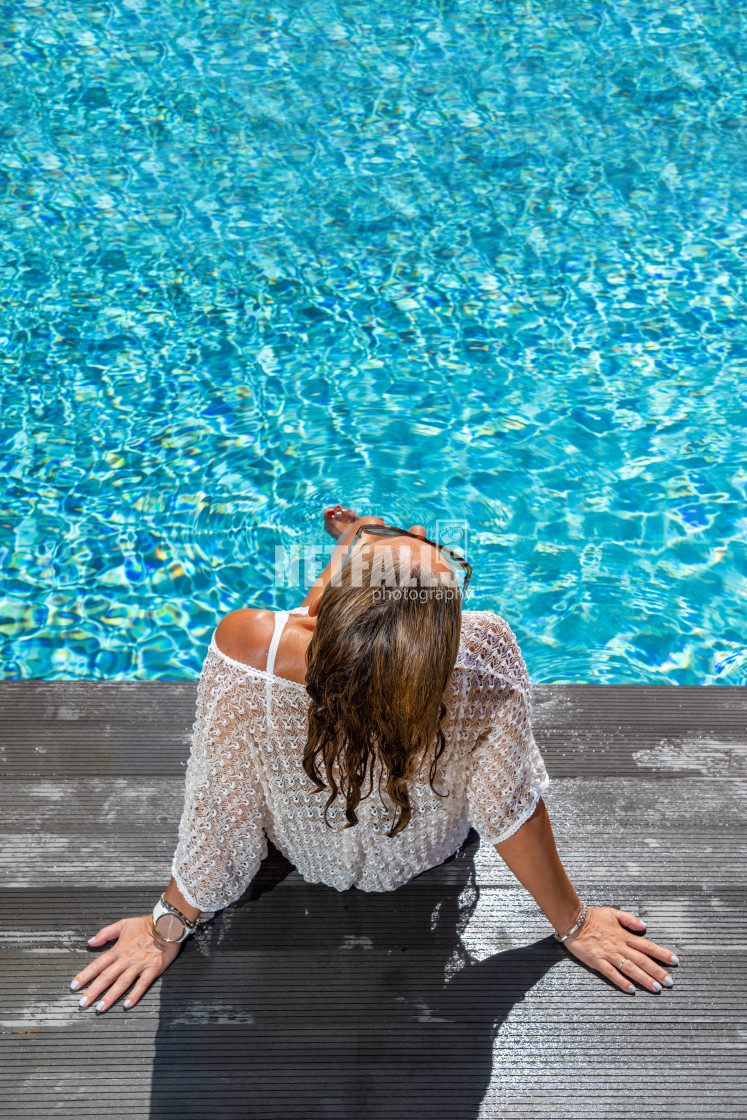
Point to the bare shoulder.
(245, 636)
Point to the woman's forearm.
(530, 854)
(175, 898)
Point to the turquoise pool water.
(464, 260)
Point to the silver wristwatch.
(171, 925)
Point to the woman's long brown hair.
(376, 670)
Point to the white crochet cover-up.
(245, 782)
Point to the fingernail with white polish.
(127, 1003)
(83, 1001)
(632, 989)
(675, 960)
(101, 1005)
(75, 984)
(91, 940)
(668, 981)
(657, 986)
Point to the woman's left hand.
(606, 944)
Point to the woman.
(365, 737)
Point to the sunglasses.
(383, 531)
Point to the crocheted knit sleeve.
(508, 773)
(221, 838)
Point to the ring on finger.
(622, 962)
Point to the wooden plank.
(107, 831)
(143, 728)
(595, 708)
(100, 806)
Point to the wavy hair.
(376, 670)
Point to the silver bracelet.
(203, 917)
(573, 929)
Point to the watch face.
(169, 927)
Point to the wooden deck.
(444, 1000)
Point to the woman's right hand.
(138, 956)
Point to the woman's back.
(245, 779)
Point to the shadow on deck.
(444, 1000)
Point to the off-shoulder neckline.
(251, 668)
(263, 674)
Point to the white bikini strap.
(281, 618)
